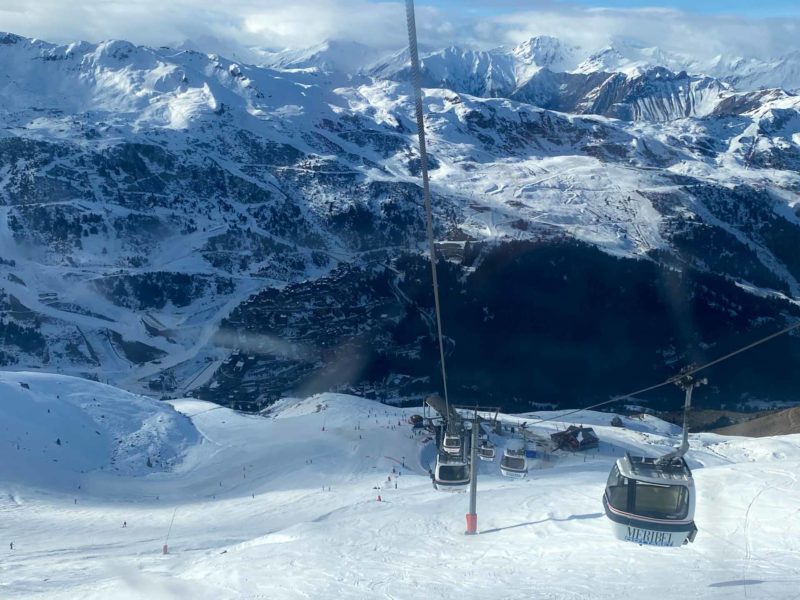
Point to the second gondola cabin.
(651, 501)
(486, 451)
(514, 464)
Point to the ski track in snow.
(252, 519)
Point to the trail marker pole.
(165, 548)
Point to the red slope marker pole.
(472, 516)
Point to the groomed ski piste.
(285, 505)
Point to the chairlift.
(651, 501)
(514, 464)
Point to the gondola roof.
(653, 470)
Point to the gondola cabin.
(452, 444)
(650, 501)
(487, 451)
(451, 473)
(514, 463)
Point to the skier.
(11, 545)
(124, 524)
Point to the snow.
(58, 428)
(252, 518)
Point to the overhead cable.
(426, 192)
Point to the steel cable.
(678, 377)
(423, 153)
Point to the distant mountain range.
(176, 221)
(623, 80)
(505, 70)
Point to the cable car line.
(694, 370)
(426, 192)
(676, 378)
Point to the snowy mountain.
(624, 56)
(622, 81)
(175, 222)
(543, 52)
(503, 70)
(491, 73)
(286, 505)
(743, 73)
(752, 73)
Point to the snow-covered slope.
(285, 506)
(54, 429)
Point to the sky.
(703, 28)
(750, 8)
(739, 7)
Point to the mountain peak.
(543, 51)
(10, 38)
(331, 55)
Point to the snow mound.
(345, 408)
(55, 427)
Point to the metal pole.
(688, 383)
(472, 516)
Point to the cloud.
(701, 36)
(223, 25)
(266, 23)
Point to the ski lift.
(452, 472)
(486, 451)
(514, 463)
(651, 501)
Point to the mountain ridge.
(146, 195)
